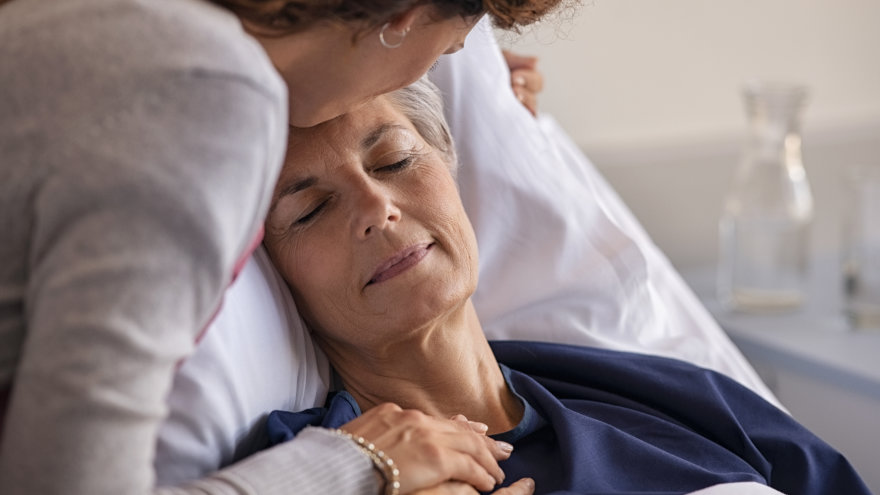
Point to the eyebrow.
(374, 135)
(298, 186)
(292, 189)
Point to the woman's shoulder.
(120, 37)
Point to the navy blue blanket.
(600, 421)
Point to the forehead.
(345, 140)
(348, 130)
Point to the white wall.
(650, 90)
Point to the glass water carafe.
(765, 221)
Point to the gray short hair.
(422, 104)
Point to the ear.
(410, 18)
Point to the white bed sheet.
(742, 488)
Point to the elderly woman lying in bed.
(368, 230)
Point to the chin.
(305, 121)
(310, 117)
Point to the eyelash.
(312, 214)
(394, 167)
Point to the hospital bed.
(562, 260)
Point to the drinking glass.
(861, 247)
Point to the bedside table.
(826, 374)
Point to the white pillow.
(255, 357)
(562, 259)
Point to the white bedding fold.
(743, 488)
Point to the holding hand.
(429, 452)
(525, 79)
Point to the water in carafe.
(764, 226)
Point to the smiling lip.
(400, 262)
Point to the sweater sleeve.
(316, 462)
(148, 196)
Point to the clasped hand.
(437, 456)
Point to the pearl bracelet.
(381, 461)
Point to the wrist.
(385, 467)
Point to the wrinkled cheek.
(337, 320)
(468, 256)
(297, 270)
(293, 259)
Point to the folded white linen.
(743, 488)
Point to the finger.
(449, 488)
(528, 99)
(527, 78)
(500, 450)
(463, 468)
(480, 428)
(517, 61)
(483, 449)
(476, 426)
(468, 458)
(525, 486)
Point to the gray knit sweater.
(139, 144)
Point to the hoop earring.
(385, 43)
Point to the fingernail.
(519, 81)
(529, 482)
(480, 427)
(504, 446)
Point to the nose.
(374, 210)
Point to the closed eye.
(397, 166)
(308, 217)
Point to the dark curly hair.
(293, 15)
